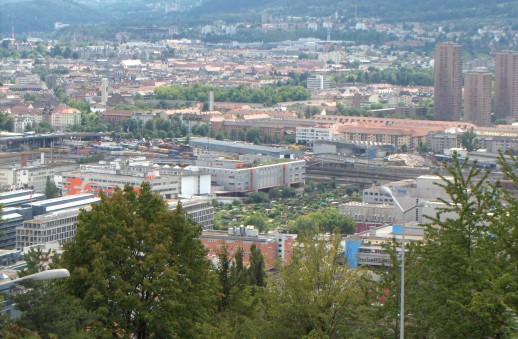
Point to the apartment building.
(447, 81)
(477, 97)
(506, 84)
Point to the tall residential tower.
(506, 85)
(477, 97)
(448, 81)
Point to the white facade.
(256, 178)
(195, 184)
(408, 193)
(317, 83)
(21, 122)
(57, 226)
(34, 177)
(362, 212)
(310, 134)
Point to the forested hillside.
(426, 10)
(40, 15)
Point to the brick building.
(275, 247)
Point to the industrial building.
(228, 176)
(358, 149)
(242, 148)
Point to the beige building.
(64, 116)
(448, 81)
(506, 84)
(477, 97)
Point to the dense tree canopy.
(267, 95)
(327, 220)
(140, 267)
(464, 279)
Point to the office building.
(448, 81)
(57, 226)
(310, 134)
(317, 83)
(200, 211)
(477, 97)
(506, 85)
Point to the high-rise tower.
(104, 90)
(448, 81)
(477, 97)
(506, 85)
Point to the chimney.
(24, 159)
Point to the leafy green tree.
(256, 269)
(257, 219)
(51, 190)
(465, 271)
(469, 141)
(317, 293)
(140, 267)
(327, 220)
(6, 122)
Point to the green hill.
(40, 15)
(395, 10)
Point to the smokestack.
(42, 158)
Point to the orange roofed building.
(275, 247)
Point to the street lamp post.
(43, 275)
(384, 190)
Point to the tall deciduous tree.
(469, 141)
(327, 220)
(465, 273)
(51, 190)
(317, 293)
(141, 267)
